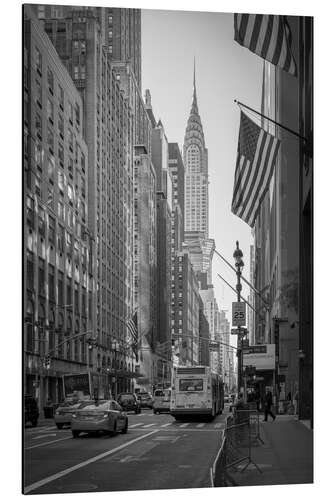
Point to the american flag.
(132, 325)
(267, 36)
(256, 155)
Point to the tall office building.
(58, 265)
(79, 36)
(195, 155)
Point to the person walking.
(268, 405)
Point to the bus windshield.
(190, 384)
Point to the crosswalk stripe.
(134, 425)
(149, 425)
(184, 425)
(166, 425)
(200, 425)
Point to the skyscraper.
(195, 155)
(196, 174)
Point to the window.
(70, 140)
(60, 288)
(50, 110)
(77, 114)
(75, 76)
(191, 385)
(61, 125)
(61, 154)
(71, 112)
(38, 125)
(30, 212)
(38, 56)
(61, 180)
(41, 222)
(61, 239)
(61, 97)
(51, 283)
(61, 210)
(50, 80)
(38, 154)
(50, 139)
(39, 94)
(70, 166)
(70, 193)
(51, 230)
(41, 277)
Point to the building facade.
(58, 264)
(109, 132)
(145, 263)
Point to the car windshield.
(69, 403)
(126, 397)
(99, 405)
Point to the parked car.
(161, 402)
(129, 402)
(63, 414)
(100, 415)
(31, 412)
(145, 399)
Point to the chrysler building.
(195, 156)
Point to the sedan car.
(146, 399)
(99, 415)
(63, 414)
(129, 402)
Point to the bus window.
(186, 384)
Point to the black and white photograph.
(167, 248)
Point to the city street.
(156, 453)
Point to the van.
(162, 399)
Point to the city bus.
(196, 390)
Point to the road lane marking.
(149, 425)
(166, 425)
(200, 425)
(46, 480)
(184, 425)
(48, 442)
(44, 436)
(134, 425)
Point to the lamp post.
(115, 347)
(239, 264)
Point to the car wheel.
(125, 429)
(34, 422)
(75, 434)
(114, 431)
(60, 426)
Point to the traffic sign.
(238, 314)
(238, 331)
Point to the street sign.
(238, 331)
(238, 314)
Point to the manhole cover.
(76, 488)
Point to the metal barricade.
(241, 433)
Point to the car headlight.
(74, 415)
(105, 415)
(57, 412)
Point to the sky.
(224, 71)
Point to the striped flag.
(267, 36)
(132, 325)
(256, 155)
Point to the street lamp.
(239, 264)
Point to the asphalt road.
(156, 453)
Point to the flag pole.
(271, 120)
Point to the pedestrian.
(295, 402)
(268, 405)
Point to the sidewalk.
(286, 457)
